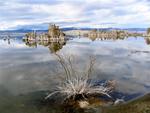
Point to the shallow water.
(29, 69)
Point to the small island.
(54, 34)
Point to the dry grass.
(76, 83)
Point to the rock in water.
(83, 104)
(119, 101)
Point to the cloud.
(88, 13)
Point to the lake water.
(30, 69)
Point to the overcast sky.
(75, 13)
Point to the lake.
(29, 70)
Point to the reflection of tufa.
(147, 36)
(53, 46)
(148, 32)
(112, 34)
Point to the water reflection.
(105, 38)
(113, 34)
(147, 41)
(53, 46)
(27, 73)
(33, 102)
(8, 40)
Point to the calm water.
(27, 68)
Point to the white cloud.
(92, 13)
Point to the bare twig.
(75, 84)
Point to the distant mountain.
(21, 31)
(44, 26)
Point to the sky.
(75, 13)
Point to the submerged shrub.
(79, 84)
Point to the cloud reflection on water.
(24, 69)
